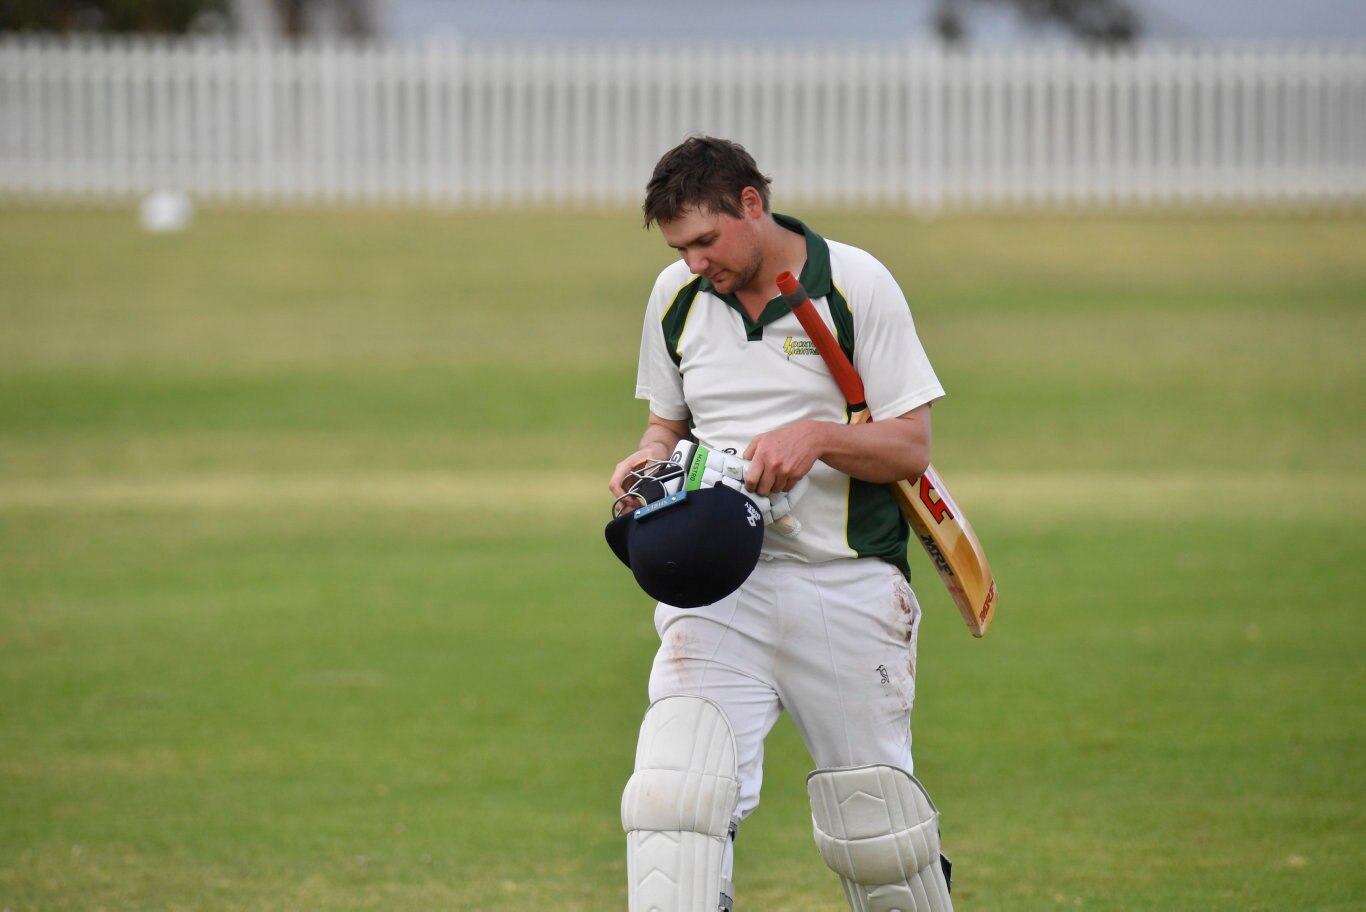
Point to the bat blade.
(952, 546)
(947, 537)
(943, 530)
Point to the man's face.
(721, 247)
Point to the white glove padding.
(707, 467)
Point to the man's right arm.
(658, 442)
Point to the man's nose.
(697, 263)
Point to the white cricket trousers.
(832, 643)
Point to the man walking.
(825, 626)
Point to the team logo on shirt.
(793, 346)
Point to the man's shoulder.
(857, 273)
(854, 261)
(674, 277)
(675, 283)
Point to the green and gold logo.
(799, 347)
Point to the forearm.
(878, 451)
(661, 436)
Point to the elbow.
(916, 456)
(906, 463)
(916, 461)
(909, 465)
(914, 448)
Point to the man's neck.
(783, 251)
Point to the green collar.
(815, 278)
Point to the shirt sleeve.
(896, 372)
(658, 379)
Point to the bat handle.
(845, 376)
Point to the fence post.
(919, 127)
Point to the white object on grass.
(165, 211)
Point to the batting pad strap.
(876, 827)
(678, 806)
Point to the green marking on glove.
(699, 465)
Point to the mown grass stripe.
(1012, 495)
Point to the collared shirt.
(703, 360)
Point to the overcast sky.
(845, 20)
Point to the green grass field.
(304, 602)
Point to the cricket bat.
(935, 519)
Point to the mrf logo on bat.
(939, 508)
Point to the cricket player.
(825, 625)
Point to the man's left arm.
(899, 384)
(877, 451)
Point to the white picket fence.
(461, 124)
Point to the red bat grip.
(850, 384)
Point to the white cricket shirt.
(702, 360)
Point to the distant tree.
(1101, 22)
(353, 18)
(157, 16)
(257, 18)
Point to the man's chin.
(727, 283)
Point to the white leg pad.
(678, 807)
(878, 830)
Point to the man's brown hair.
(702, 172)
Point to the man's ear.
(751, 203)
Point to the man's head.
(704, 174)
(711, 204)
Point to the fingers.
(760, 476)
(627, 504)
(625, 467)
(771, 477)
(779, 459)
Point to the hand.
(633, 462)
(780, 458)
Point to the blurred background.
(318, 326)
(959, 103)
